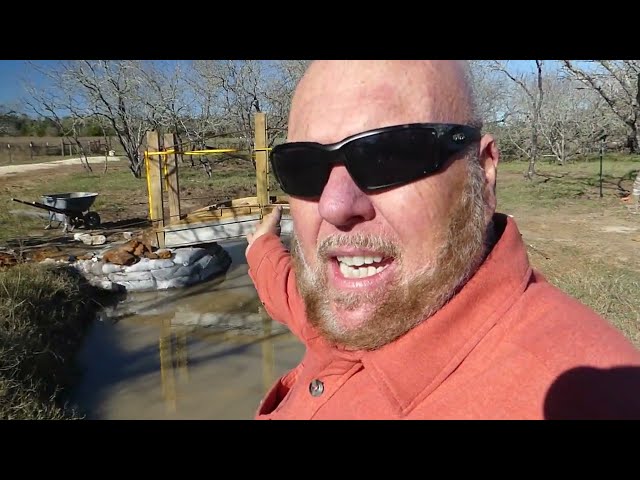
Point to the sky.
(14, 72)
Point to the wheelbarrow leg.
(51, 217)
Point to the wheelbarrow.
(71, 209)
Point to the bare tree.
(490, 93)
(113, 90)
(535, 95)
(279, 92)
(237, 89)
(60, 105)
(618, 83)
(572, 118)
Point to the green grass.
(557, 186)
(44, 313)
(226, 179)
(117, 189)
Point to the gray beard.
(402, 305)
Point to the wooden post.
(62, 145)
(260, 147)
(154, 186)
(171, 170)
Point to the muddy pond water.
(204, 352)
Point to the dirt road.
(28, 167)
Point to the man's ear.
(489, 158)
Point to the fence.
(16, 149)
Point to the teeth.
(354, 272)
(359, 260)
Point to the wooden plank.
(173, 186)
(205, 222)
(215, 232)
(260, 145)
(154, 184)
(217, 217)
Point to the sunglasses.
(375, 159)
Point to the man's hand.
(270, 224)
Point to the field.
(581, 242)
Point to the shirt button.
(316, 387)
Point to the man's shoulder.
(551, 323)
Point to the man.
(415, 300)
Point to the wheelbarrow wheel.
(92, 220)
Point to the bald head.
(336, 99)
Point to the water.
(204, 352)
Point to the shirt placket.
(322, 386)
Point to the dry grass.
(568, 229)
(44, 313)
(609, 290)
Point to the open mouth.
(359, 266)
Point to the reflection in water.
(209, 351)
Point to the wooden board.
(217, 229)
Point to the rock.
(164, 253)
(139, 250)
(89, 239)
(79, 236)
(95, 240)
(119, 257)
(130, 246)
(151, 255)
(127, 235)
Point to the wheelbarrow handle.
(43, 206)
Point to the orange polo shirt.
(509, 345)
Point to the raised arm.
(270, 268)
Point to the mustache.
(376, 243)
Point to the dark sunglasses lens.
(392, 158)
(300, 171)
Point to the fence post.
(171, 171)
(153, 165)
(260, 147)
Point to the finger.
(273, 218)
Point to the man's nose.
(342, 203)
